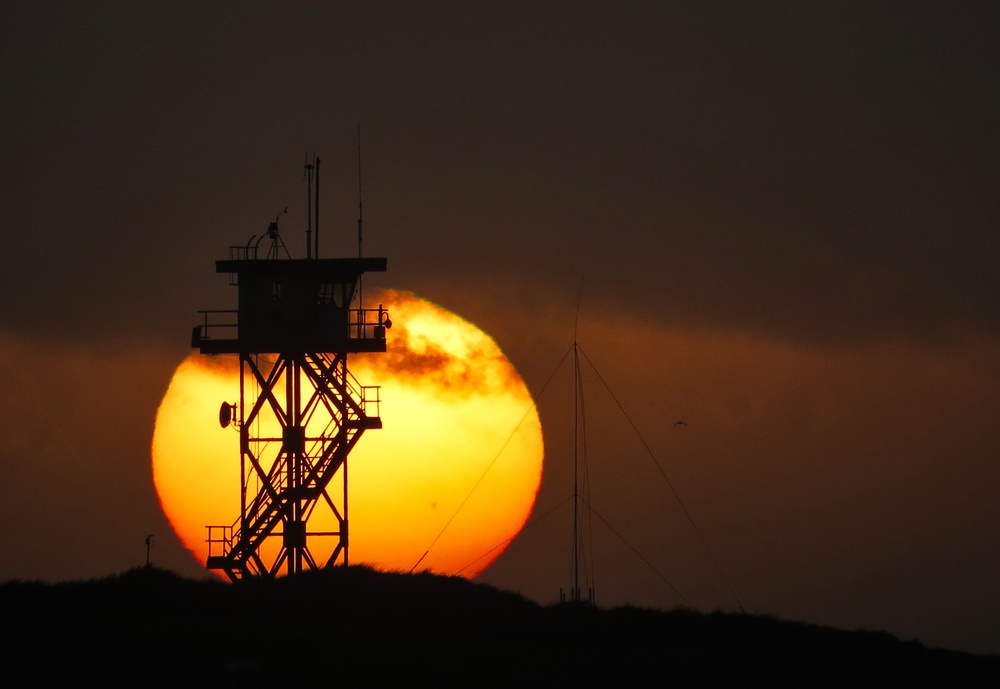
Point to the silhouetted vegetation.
(354, 626)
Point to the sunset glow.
(461, 442)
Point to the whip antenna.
(361, 299)
(307, 177)
(316, 209)
(360, 207)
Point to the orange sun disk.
(460, 450)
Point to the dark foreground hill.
(357, 627)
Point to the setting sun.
(456, 465)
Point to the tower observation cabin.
(294, 305)
(300, 411)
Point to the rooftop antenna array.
(300, 410)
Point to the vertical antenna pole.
(360, 208)
(361, 296)
(307, 175)
(316, 223)
(577, 385)
(575, 594)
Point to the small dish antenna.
(227, 412)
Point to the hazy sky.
(783, 216)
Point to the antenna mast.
(577, 384)
(307, 177)
(578, 416)
(360, 208)
(316, 223)
(361, 300)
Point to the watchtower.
(300, 411)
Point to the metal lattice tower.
(300, 411)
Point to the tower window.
(332, 294)
(326, 294)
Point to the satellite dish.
(226, 413)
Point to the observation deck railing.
(223, 324)
(220, 538)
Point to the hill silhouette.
(354, 626)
